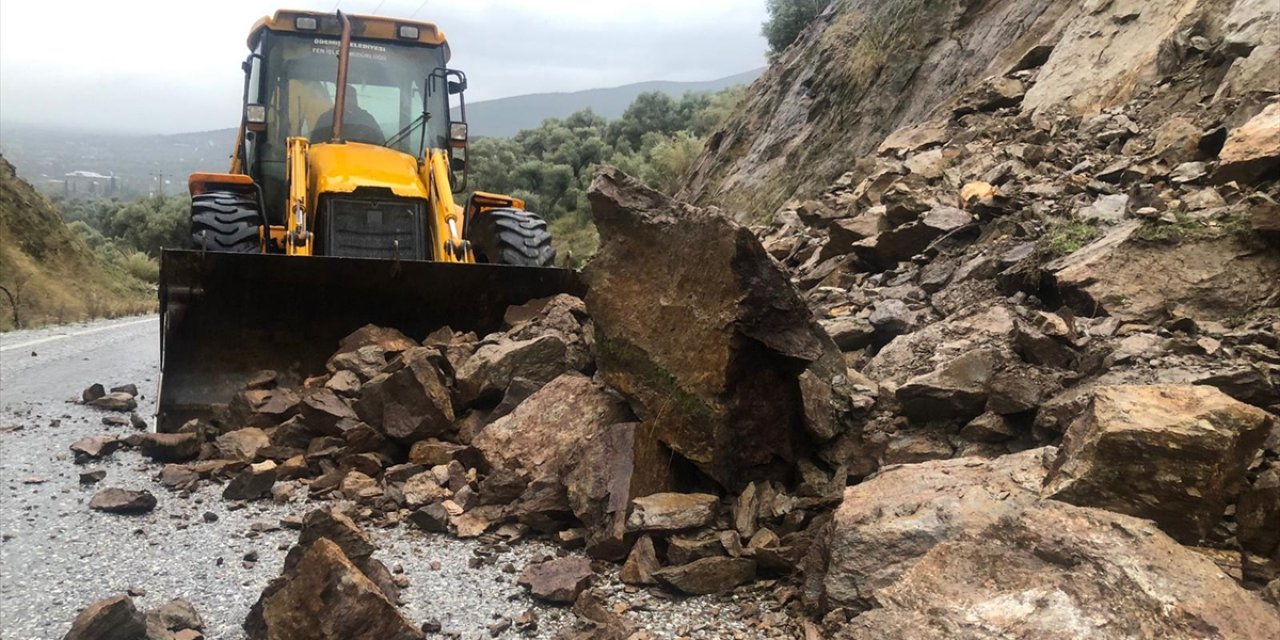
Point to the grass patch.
(1068, 236)
(1185, 228)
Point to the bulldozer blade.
(226, 316)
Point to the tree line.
(656, 139)
(550, 167)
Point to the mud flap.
(225, 316)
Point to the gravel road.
(56, 555)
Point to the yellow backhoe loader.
(339, 210)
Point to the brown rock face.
(1175, 454)
(322, 409)
(492, 368)
(559, 580)
(708, 350)
(338, 529)
(326, 598)
(1133, 281)
(885, 524)
(708, 575)
(111, 619)
(625, 461)
(412, 403)
(540, 437)
(641, 563)
(672, 511)
(1059, 571)
(253, 482)
(242, 444)
(1253, 150)
(387, 339)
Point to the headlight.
(409, 32)
(255, 113)
(305, 23)
(458, 131)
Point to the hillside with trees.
(656, 139)
(50, 274)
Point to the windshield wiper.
(408, 129)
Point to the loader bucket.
(225, 316)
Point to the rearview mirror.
(457, 164)
(457, 86)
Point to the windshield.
(384, 98)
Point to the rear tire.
(227, 222)
(512, 236)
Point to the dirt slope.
(51, 271)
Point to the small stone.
(92, 477)
(92, 392)
(123, 501)
(559, 580)
(672, 511)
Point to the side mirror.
(457, 134)
(255, 117)
(457, 86)
(457, 164)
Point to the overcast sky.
(167, 67)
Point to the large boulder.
(887, 523)
(111, 619)
(1059, 571)
(1175, 454)
(487, 373)
(412, 403)
(326, 597)
(1253, 150)
(625, 461)
(1119, 275)
(542, 435)
(708, 350)
(242, 444)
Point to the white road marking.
(63, 336)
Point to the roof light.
(255, 113)
(408, 32)
(305, 23)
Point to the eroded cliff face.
(866, 68)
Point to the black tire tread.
(512, 237)
(225, 222)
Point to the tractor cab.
(397, 93)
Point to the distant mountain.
(504, 117)
(45, 156)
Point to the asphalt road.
(57, 556)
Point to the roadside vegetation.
(51, 274)
(657, 139)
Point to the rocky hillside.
(49, 272)
(866, 68)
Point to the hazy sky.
(174, 66)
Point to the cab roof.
(362, 26)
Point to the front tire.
(226, 222)
(513, 237)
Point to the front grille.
(369, 228)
